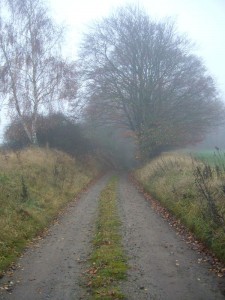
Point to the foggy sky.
(202, 20)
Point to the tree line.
(134, 75)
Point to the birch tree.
(34, 74)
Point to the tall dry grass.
(34, 185)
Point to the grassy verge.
(34, 185)
(108, 262)
(191, 190)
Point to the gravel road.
(162, 266)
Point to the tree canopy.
(142, 75)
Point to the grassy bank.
(194, 191)
(34, 185)
(108, 263)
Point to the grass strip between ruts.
(108, 261)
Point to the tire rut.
(162, 266)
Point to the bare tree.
(34, 75)
(143, 75)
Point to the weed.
(211, 210)
(24, 192)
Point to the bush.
(56, 130)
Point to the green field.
(215, 157)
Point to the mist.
(213, 140)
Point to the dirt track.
(161, 265)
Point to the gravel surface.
(52, 269)
(162, 266)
